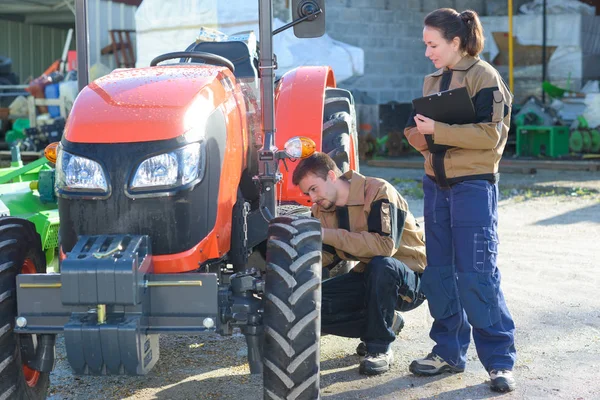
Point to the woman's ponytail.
(473, 43)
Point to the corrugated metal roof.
(28, 6)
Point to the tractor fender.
(299, 103)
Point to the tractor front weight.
(110, 306)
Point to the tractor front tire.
(20, 252)
(292, 309)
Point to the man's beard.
(326, 204)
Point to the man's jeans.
(361, 305)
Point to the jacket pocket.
(498, 107)
(386, 219)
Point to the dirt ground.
(549, 251)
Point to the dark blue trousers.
(361, 305)
(462, 280)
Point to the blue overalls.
(462, 280)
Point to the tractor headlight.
(79, 174)
(170, 170)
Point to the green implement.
(27, 192)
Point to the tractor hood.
(147, 104)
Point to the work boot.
(432, 365)
(502, 380)
(376, 363)
(397, 325)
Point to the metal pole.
(511, 60)
(544, 28)
(81, 28)
(268, 164)
(65, 52)
(267, 71)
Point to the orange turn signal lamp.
(51, 152)
(300, 147)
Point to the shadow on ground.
(585, 214)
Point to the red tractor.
(168, 179)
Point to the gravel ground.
(548, 256)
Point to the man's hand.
(424, 125)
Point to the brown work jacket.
(374, 222)
(472, 151)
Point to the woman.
(462, 281)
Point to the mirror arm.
(310, 16)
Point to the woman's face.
(440, 51)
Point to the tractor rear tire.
(20, 252)
(340, 138)
(292, 309)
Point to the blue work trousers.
(361, 304)
(462, 280)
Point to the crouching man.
(364, 219)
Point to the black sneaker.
(361, 349)
(432, 365)
(502, 381)
(397, 325)
(376, 363)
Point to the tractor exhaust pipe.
(83, 45)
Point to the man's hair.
(318, 164)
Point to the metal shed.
(33, 32)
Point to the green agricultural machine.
(27, 191)
(28, 244)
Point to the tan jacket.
(474, 150)
(375, 222)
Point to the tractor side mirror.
(313, 14)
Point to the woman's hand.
(424, 124)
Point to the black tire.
(339, 125)
(19, 245)
(292, 315)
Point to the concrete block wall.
(390, 33)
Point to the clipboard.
(451, 107)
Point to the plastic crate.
(52, 92)
(548, 141)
